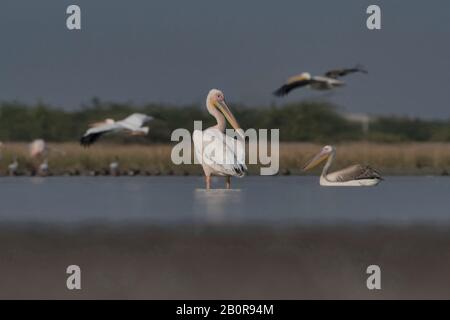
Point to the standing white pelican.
(219, 153)
(134, 124)
(356, 175)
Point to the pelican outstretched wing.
(131, 123)
(135, 121)
(355, 172)
(336, 73)
(94, 133)
(289, 86)
(326, 81)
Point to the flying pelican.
(325, 82)
(356, 175)
(305, 79)
(219, 153)
(38, 148)
(132, 124)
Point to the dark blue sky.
(175, 51)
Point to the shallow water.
(293, 200)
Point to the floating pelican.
(326, 82)
(38, 148)
(132, 124)
(12, 167)
(219, 153)
(356, 175)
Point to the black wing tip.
(281, 91)
(361, 68)
(240, 170)
(88, 140)
(85, 142)
(374, 173)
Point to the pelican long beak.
(318, 158)
(222, 106)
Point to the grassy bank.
(390, 159)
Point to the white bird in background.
(13, 166)
(43, 168)
(356, 175)
(38, 148)
(113, 167)
(219, 153)
(326, 82)
(133, 124)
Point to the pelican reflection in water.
(218, 205)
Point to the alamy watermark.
(73, 281)
(373, 282)
(213, 147)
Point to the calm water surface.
(292, 200)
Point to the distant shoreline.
(69, 159)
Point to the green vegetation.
(304, 121)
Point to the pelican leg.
(228, 181)
(208, 182)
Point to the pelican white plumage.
(38, 148)
(100, 123)
(113, 167)
(43, 168)
(219, 153)
(356, 175)
(133, 124)
(13, 166)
